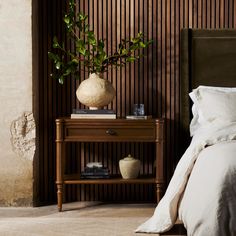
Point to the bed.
(202, 191)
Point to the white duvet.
(205, 198)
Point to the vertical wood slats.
(154, 80)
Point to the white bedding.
(208, 204)
(222, 220)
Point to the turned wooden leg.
(60, 157)
(59, 196)
(160, 166)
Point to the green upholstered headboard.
(208, 57)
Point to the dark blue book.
(95, 173)
(99, 111)
(100, 170)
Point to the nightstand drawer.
(110, 133)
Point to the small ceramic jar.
(129, 167)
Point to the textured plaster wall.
(17, 128)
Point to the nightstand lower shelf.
(112, 180)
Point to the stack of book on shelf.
(93, 114)
(95, 171)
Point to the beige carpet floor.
(77, 219)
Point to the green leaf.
(130, 59)
(142, 45)
(67, 19)
(134, 47)
(82, 51)
(82, 16)
(72, 3)
(55, 43)
(80, 47)
(92, 41)
(53, 56)
(124, 51)
(75, 61)
(101, 44)
(68, 71)
(58, 65)
(61, 79)
(69, 27)
(135, 40)
(140, 35)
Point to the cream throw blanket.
(166, 212)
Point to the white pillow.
(216, 105)
(212, 104)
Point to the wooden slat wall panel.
(153, 80)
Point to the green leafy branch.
(89, 52)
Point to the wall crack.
(23, 135)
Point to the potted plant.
(89, 53)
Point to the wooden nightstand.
(117, 130)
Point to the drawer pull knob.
(110, 132)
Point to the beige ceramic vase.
(95, 92)
(129, 167)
